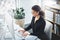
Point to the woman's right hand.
(21, 30)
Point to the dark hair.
(38, 9)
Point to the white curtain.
(6, 7)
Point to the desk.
(18, 35)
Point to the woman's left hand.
(26, 33)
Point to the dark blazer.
(38, 28)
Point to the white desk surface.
(18, 36)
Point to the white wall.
(27, 4)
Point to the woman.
(37, 24)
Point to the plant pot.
(20, 22)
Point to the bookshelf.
(52, 14)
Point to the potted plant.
(19, 16)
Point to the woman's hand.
(22, 30)
(26, 33)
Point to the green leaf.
(19, 13)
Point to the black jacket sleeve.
(28, 28)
